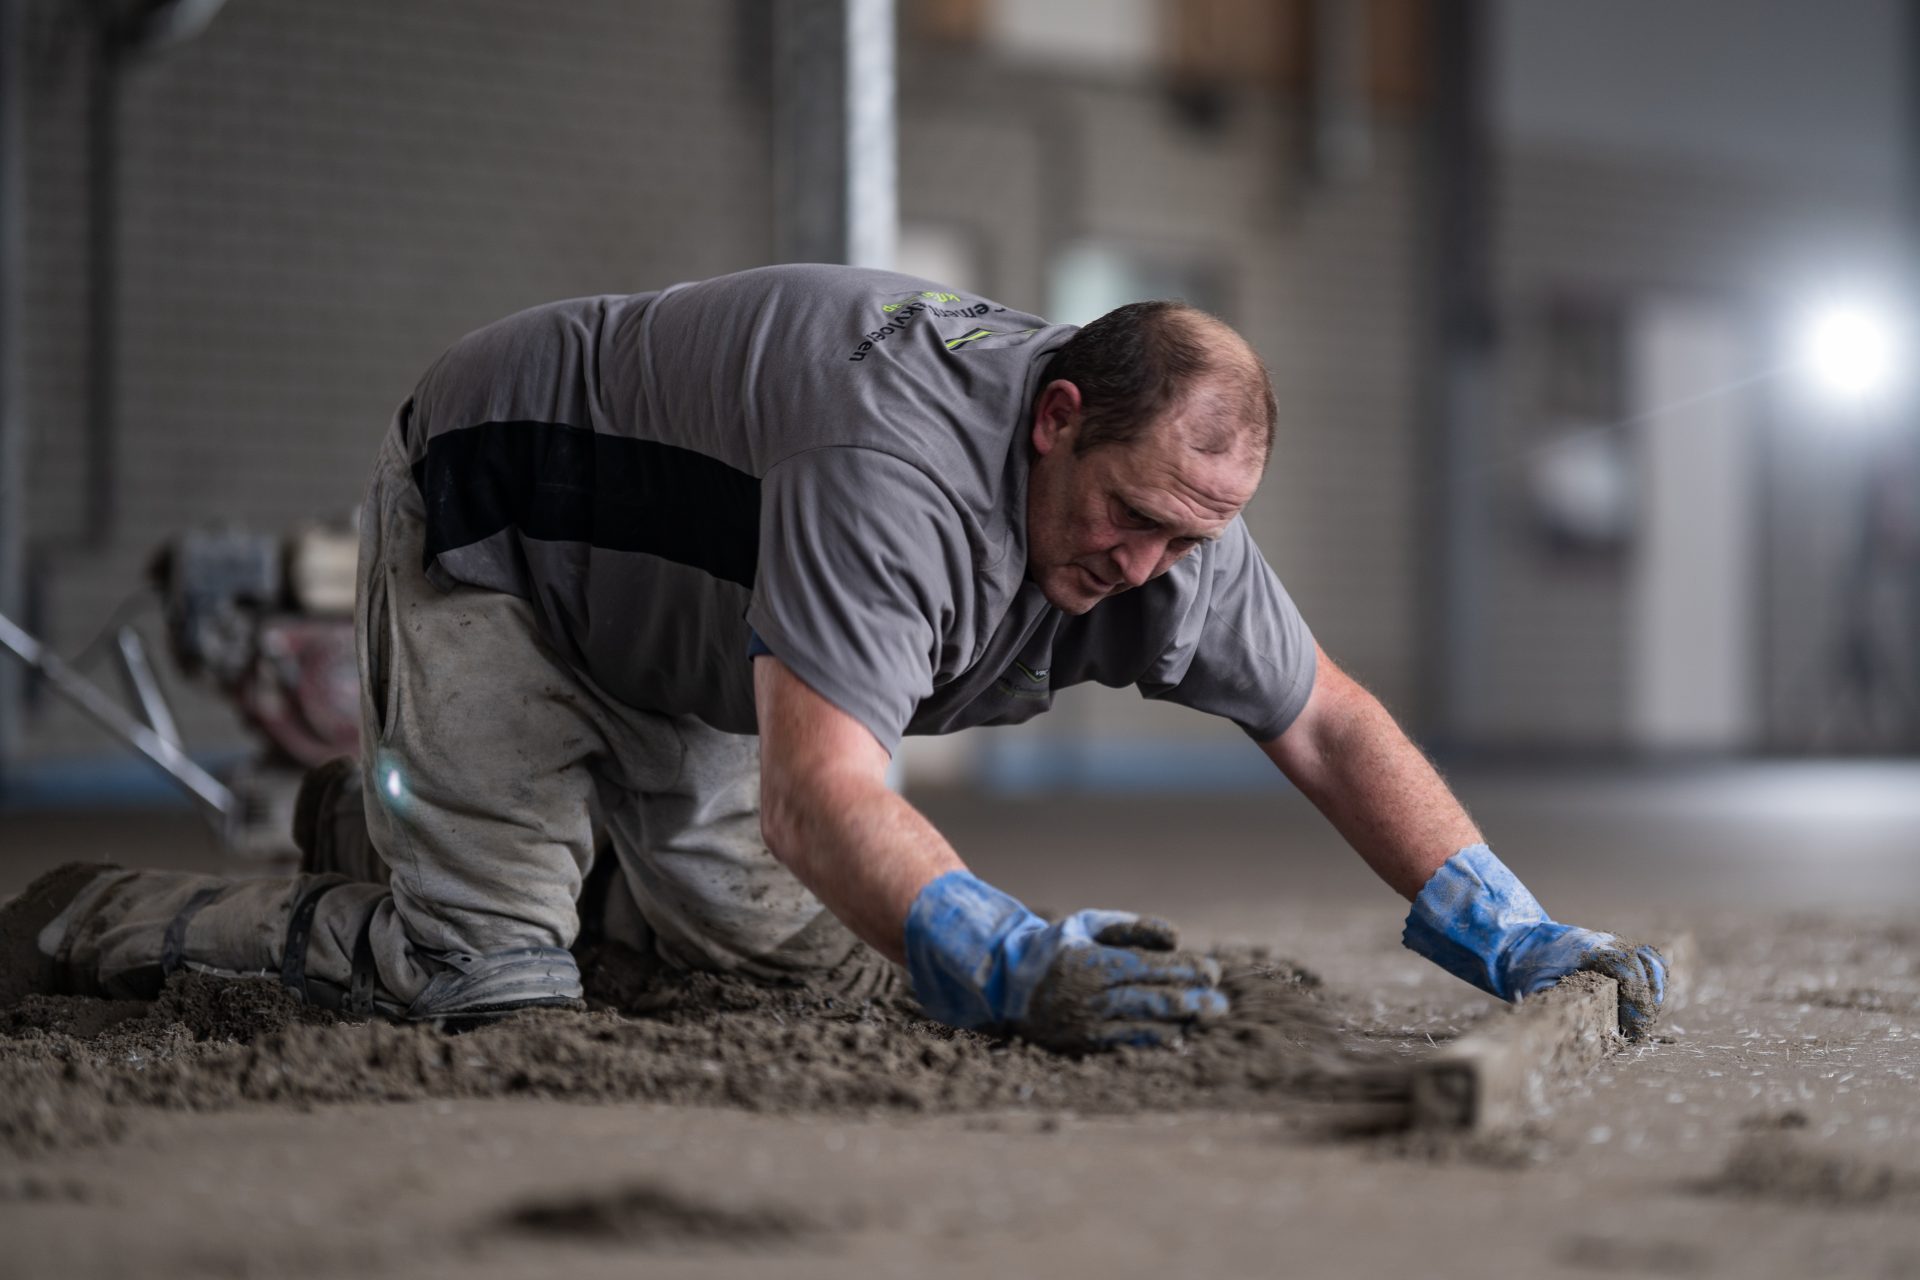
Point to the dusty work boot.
(24, 968)
(329, 957)
(330, 824)
(476, 989)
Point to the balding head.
(1149, 436)
(1149, 361)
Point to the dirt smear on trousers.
(71, 1068)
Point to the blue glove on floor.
(1096, 979)
(1478, 922)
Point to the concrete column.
(835, 153)
(1456, 267)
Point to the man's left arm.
(1345, 753)
(1470, 914)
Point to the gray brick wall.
(317, 198)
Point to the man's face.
(1121, 515)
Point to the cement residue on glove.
(1478, 922)
(1130, 987)
(978, 958)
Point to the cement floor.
(1800, 884)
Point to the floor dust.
(25, 1186)
(1864, 1000)
(1514, 1148)
(1783, 1166)
(1631, 1256)
(72, 1067)
(647, 1214)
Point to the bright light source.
(1851, 351)
(393, 783)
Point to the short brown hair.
(1136, 361)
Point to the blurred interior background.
(1591, 325)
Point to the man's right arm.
(829, 816)
(976, 956)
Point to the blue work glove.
(1096, 979)
(1478, 922)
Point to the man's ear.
(1056, 416)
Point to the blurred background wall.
(1681, 191)
(312, 202)
(1555, 476)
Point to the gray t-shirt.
(830, 458)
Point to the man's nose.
(1136, 559)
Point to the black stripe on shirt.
(560, 483)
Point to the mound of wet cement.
(1780, 1166)
(70, 1067)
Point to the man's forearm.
(862, 850)
(1373, 784)
(1470, 915)
(829, 816)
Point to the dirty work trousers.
(490, 770)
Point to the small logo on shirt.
(930, 296)
(900, 314)
(1031, 684)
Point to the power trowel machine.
(267, 620)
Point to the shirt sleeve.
(863, 565)
(1243, 651)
